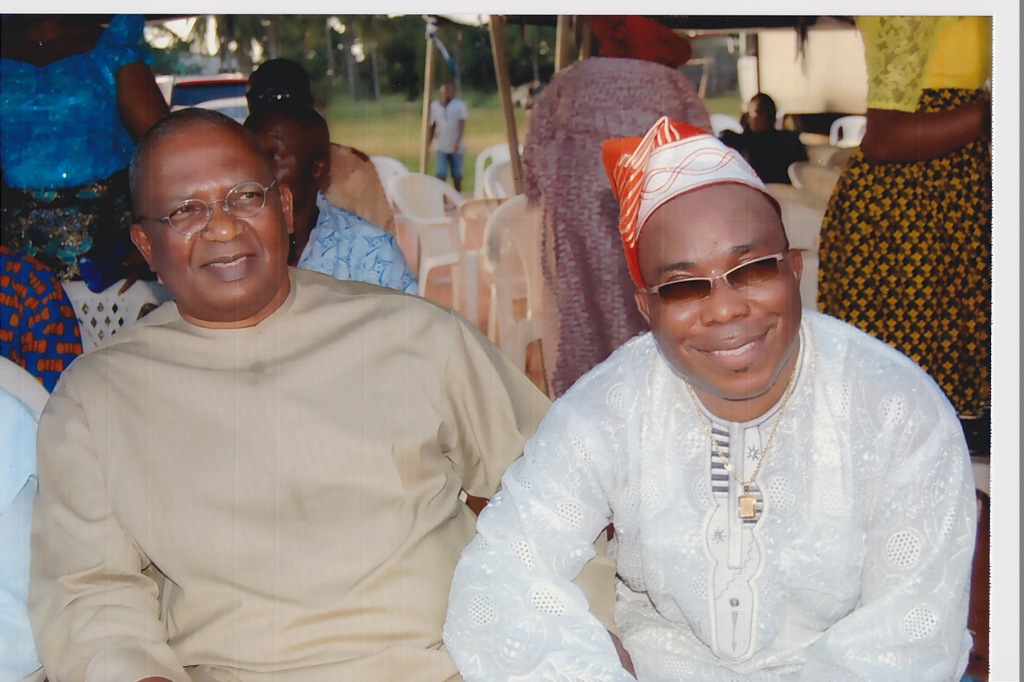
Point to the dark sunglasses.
(743, 276)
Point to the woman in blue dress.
(75, 94)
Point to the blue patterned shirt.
(348, 247)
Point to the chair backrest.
(356, 185)
(848, 131)
(420, 196)
(721, 122)
(512, 243)
(489, 155)
(818, 180)
(101, 315)
(498, 180)
(388, 167)
(473, 216)
(20, 383)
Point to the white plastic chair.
(492, 154)
(848, 131)
(840, 158)
(513, 256)
(498, 181)
(20, 383)
(388, 167)
(473, 216)
(430, 209)
(819, 154)
(722, 122)
(101, 315)
(818, 180)
(802, 215)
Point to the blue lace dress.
(64, 150)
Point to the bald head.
(190, 120)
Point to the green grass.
(392, 127)
(725, 105)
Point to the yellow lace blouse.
(906, 55)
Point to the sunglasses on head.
(743, 276)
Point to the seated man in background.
(355, 184)
(792, 499)
(260, 480)
(38, 327)
(767, 149)
(325, 237)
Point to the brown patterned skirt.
(906, 256)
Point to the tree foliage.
(363, 55)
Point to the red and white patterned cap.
(671, 159)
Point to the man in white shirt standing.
(447, 124)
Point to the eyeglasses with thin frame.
(743, 276)
(244, 200)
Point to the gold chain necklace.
(746, 499)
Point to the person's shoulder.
(21, 267)
(731, 138)
(314, 289)
(629, 362)
(350, 221)
(842, 347)
(124, 30)
(133, 344)
(380, 309)
(18, 423)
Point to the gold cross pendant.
(747, 506)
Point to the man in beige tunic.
(261, 479)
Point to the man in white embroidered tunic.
(791, 498)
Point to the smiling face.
(737, 347)
(232, 273)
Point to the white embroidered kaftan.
(857, 566)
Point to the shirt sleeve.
(494, 408)
(915, 590)
(513, 612)
(123, 41)
(40, 331)
(897, 49)
(51, 338)
(17, 493)
(390, 262)
(346, 246)
(94, 614)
